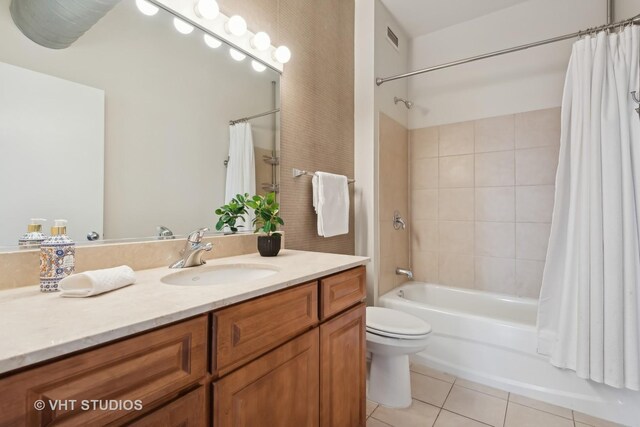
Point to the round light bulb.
(182, 26)
(212, 42)
(258, 66)
(236, 25)
(237, 55)
(282, 54)
(261, 41)
(147, 8)
(207, 9)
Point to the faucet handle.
(196, 236)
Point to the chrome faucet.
(406, 272)
(398, 222)
(193, 251)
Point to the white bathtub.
(491, 338)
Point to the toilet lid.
(394, 323)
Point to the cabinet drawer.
(146, 368)
(250, 329)
(341, 291)
(189, 410)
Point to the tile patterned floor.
(442, 400)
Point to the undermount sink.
(220, 274)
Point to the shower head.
(407, 104)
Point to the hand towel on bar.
(96, 282)
(331, 196)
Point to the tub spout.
(406, 272)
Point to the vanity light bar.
(229, 29)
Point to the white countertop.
(38, 326)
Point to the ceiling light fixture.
(282, 54)
(207, 9)
(236, 25)
(261, 41)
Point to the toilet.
(391, 337)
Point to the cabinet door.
(341, 291)
(186, 411)
(343, 370)
(278, 389)
(145, 368)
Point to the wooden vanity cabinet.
(293, 358)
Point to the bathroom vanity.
(285, 350)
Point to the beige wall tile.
(536, 166)
(424, 236)
(456, 204)
(456, 236)
(387, 275)
(534, 203)
(495, 134)
(424, 205)
(456, 139)
(456, 171)
(495, 204)
(424, 174)
(425, 266)
(528, 278)
(495, 274)
(538, 128)
(523, 416)
(424, 142)
(496, 239)
(456, 270)
(495, 169)
(532, 240)
(479, 406)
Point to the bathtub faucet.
(406, 272)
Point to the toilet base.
(390, 381)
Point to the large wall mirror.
(126, 130)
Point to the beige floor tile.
(542, 406)
(593, 421)
(428, 389)
(419, 414)
(523, 416)
(372, 422)
(425, 370)
(476, 405)
(371, 406)
(483, 388)
(449, 419)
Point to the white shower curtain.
(588, 318)
(241, 169)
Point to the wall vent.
(391, 36)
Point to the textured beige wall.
(394, 195)
(481, 201)
(316, 100)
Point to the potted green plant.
(266, 220)
(231, 213)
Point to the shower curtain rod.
(381, 80)
(244, 119)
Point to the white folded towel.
(96, 282)
(331, 201)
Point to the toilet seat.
(390, 323)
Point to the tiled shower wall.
(394, 195)
(481, 201)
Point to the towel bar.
(298, 172)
